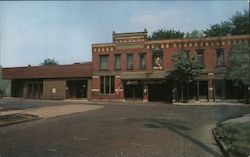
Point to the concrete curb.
(22, 121)
(210, 104)
(221, 145)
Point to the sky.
(65, 30)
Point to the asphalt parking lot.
(121, 130)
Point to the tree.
(238, 24)
(184, 70)
(4, 85)
(238, 69)
(49, 62)
(166, 34)
(223, 29)
(195, 34)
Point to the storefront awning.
(142, 75)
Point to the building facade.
(133, 68)
(55, 82)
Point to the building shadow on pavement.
(180, 128)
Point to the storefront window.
(107, 84)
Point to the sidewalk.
(212, 103)
(54, 111)
(243, 119)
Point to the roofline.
(182, 40)
(130, 33)
(36, 66)
(199, 39)
(103, 44)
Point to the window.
(143, 61)
(187, 53)
(117, 61)
(158, 61)
(220, 57)
(104, 62)
(129, 61)
(200, 57)
(107, 84)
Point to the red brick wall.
(169, 47)
(210, 57)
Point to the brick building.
(132, 68)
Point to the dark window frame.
(161, 55)
(143, 67)
(132, 56)
(198, 53)
(187, 52)
(220, 50)
(100, 62)
(116, 55)
(107, 84)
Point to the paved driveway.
(139, 130)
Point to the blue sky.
(33, 31)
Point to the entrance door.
(133, 91)
(159, 93)
(77, 89)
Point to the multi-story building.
(133, 68)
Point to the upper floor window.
(104, 62)
(129, 61)
(220, 57)
(200, 56)
(157, 58)
(143, 61)
(187, 53)
(117, 61)
(107, 84)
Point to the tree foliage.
(4, 85)
(241, 23)
(239, 65)
(238, 24)
(166, 34)
(195, 34)
(184, 70)
(222, 29)
(49, 62)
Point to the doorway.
(158, 92)
(134, 92)
(35, 90)
(76, 89)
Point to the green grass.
(16, 118)
(236, 137)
